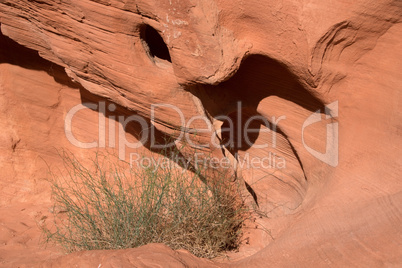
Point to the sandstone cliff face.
(280, 61)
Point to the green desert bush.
(109, 206)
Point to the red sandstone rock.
(278, 58)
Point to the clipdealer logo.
(331, 155)
(147, 135)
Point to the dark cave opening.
(154, 43)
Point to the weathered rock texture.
(277, 58)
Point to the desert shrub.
(107, 205)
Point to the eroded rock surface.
(280, 61)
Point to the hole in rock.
(254, 98)
(154, 44)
